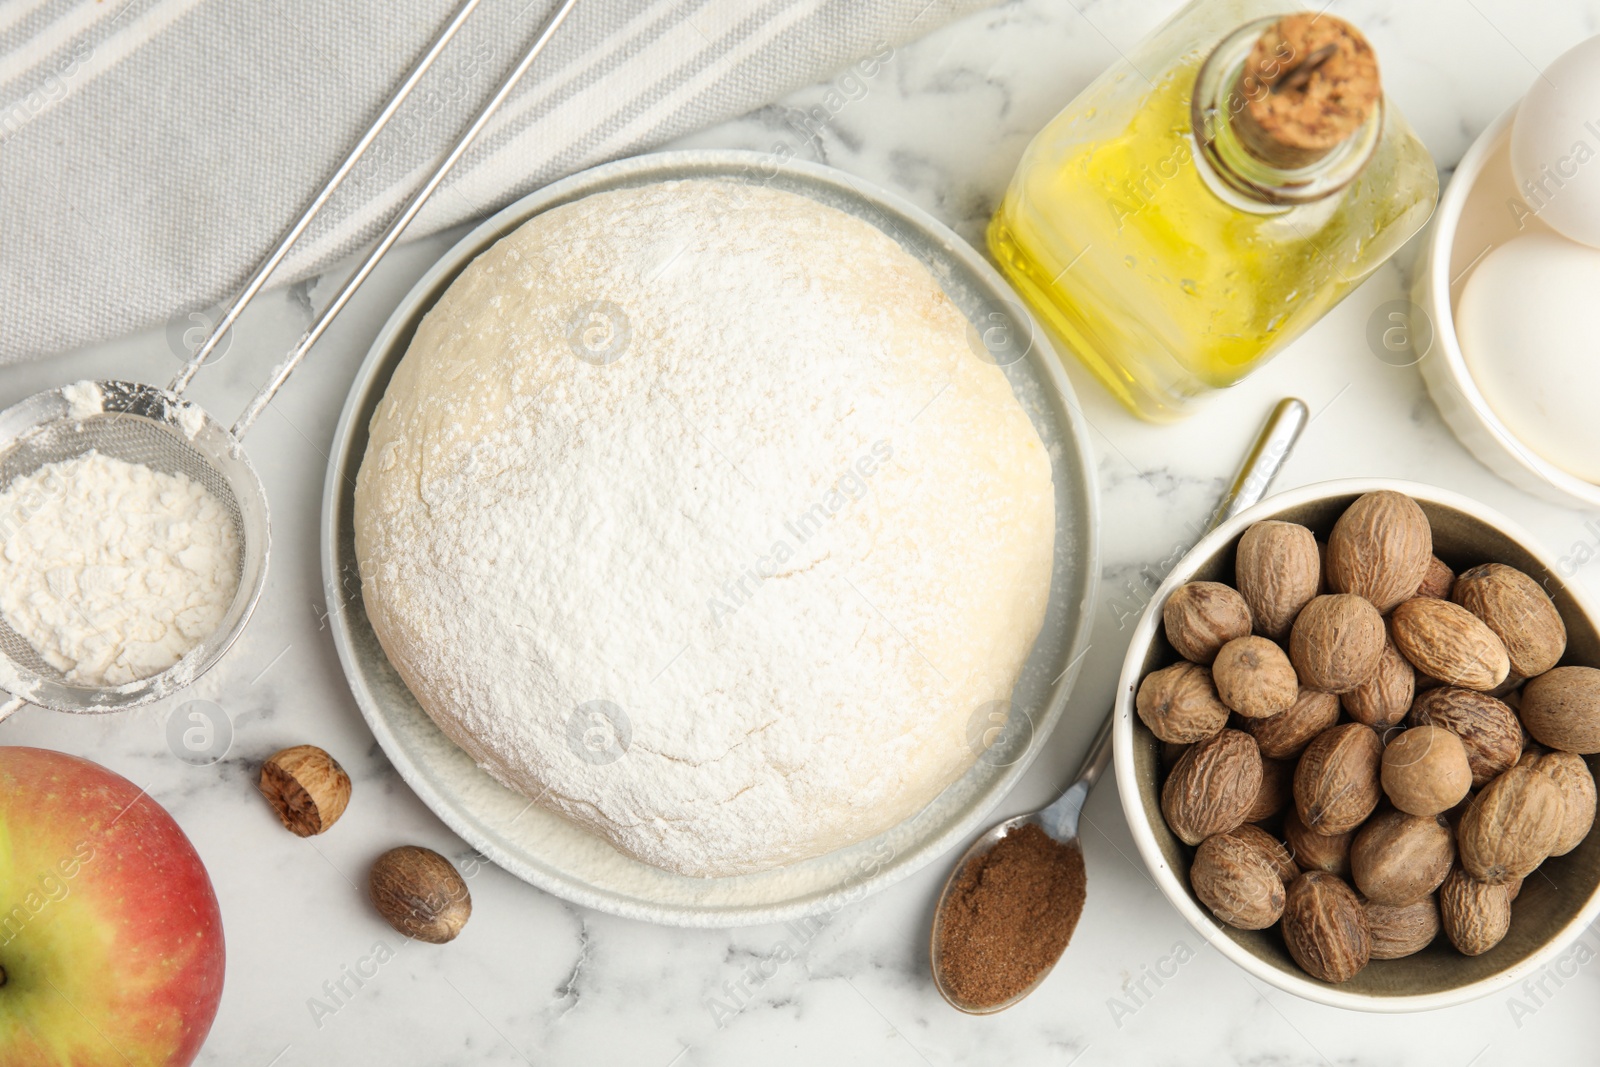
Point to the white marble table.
(534, 980)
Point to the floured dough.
(692, 515)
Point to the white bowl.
(1473, 218)
(1550, 912)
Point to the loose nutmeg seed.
(1439, 582)
(1317, 852)
(1180, 704)
(1488, 729)
(420, 894)
(1285, 735)
(1213, 786)
(1254, 678)
(1276, 793)
(1561, 708)
(1201, 617)
(1425, 771)
(1336, 642)
(1325, 927)
(1571, 775)
(1336, 782)
(1446, 641)
(1271, 849)
(1279, 569)
(306, 787)
(1519, 612)
(1475, 915)
(1397, 857)
(1402, 929)
(1380, 549)
(1238, 884)
(1383, 700)
(1511, 826)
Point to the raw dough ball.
(691, 514)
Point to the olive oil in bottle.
(1210, 197)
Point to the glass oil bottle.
(1210, 197)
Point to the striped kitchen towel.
(152, 150)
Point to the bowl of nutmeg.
(1356, 737)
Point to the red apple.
(110, 937)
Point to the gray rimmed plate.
(545, 849)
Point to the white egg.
(1555, 144)
(1528, 323)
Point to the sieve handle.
(265, 268)
(391, 234)
(12, 704)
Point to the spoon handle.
(1265, 458)
(1060, 819)
(1261, 465)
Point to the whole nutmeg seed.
(1272, 850)
(1510, 827)
(306, 787)
(1383, 700)
(1396, 858)
(1336, 782)
(1180, 704)
(1254, 678)
(1439, 582)
(1571, 775)
(1279, 569)
(1325, 927)
(1238, 884)
(1317, 852)
(1285, 735)
(1380, 549)
(1444, 640)
(420, 894)
(1336, 642)
(1212, 787)
(1509, 690)
(1201, 617)
(1519, 612)
(1561, 708)
(1488, 729)
(1400, 930)
(1475, 915)
(1276, 792)
(1425, 771)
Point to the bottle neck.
(1243, 177)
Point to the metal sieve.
(150, 426)
(156, 427)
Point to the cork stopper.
(1310, 82)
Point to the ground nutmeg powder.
(1009, 916)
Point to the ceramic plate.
(554, 854)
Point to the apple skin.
(110, 934)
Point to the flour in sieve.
(112, 570)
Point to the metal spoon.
(1060, 819)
